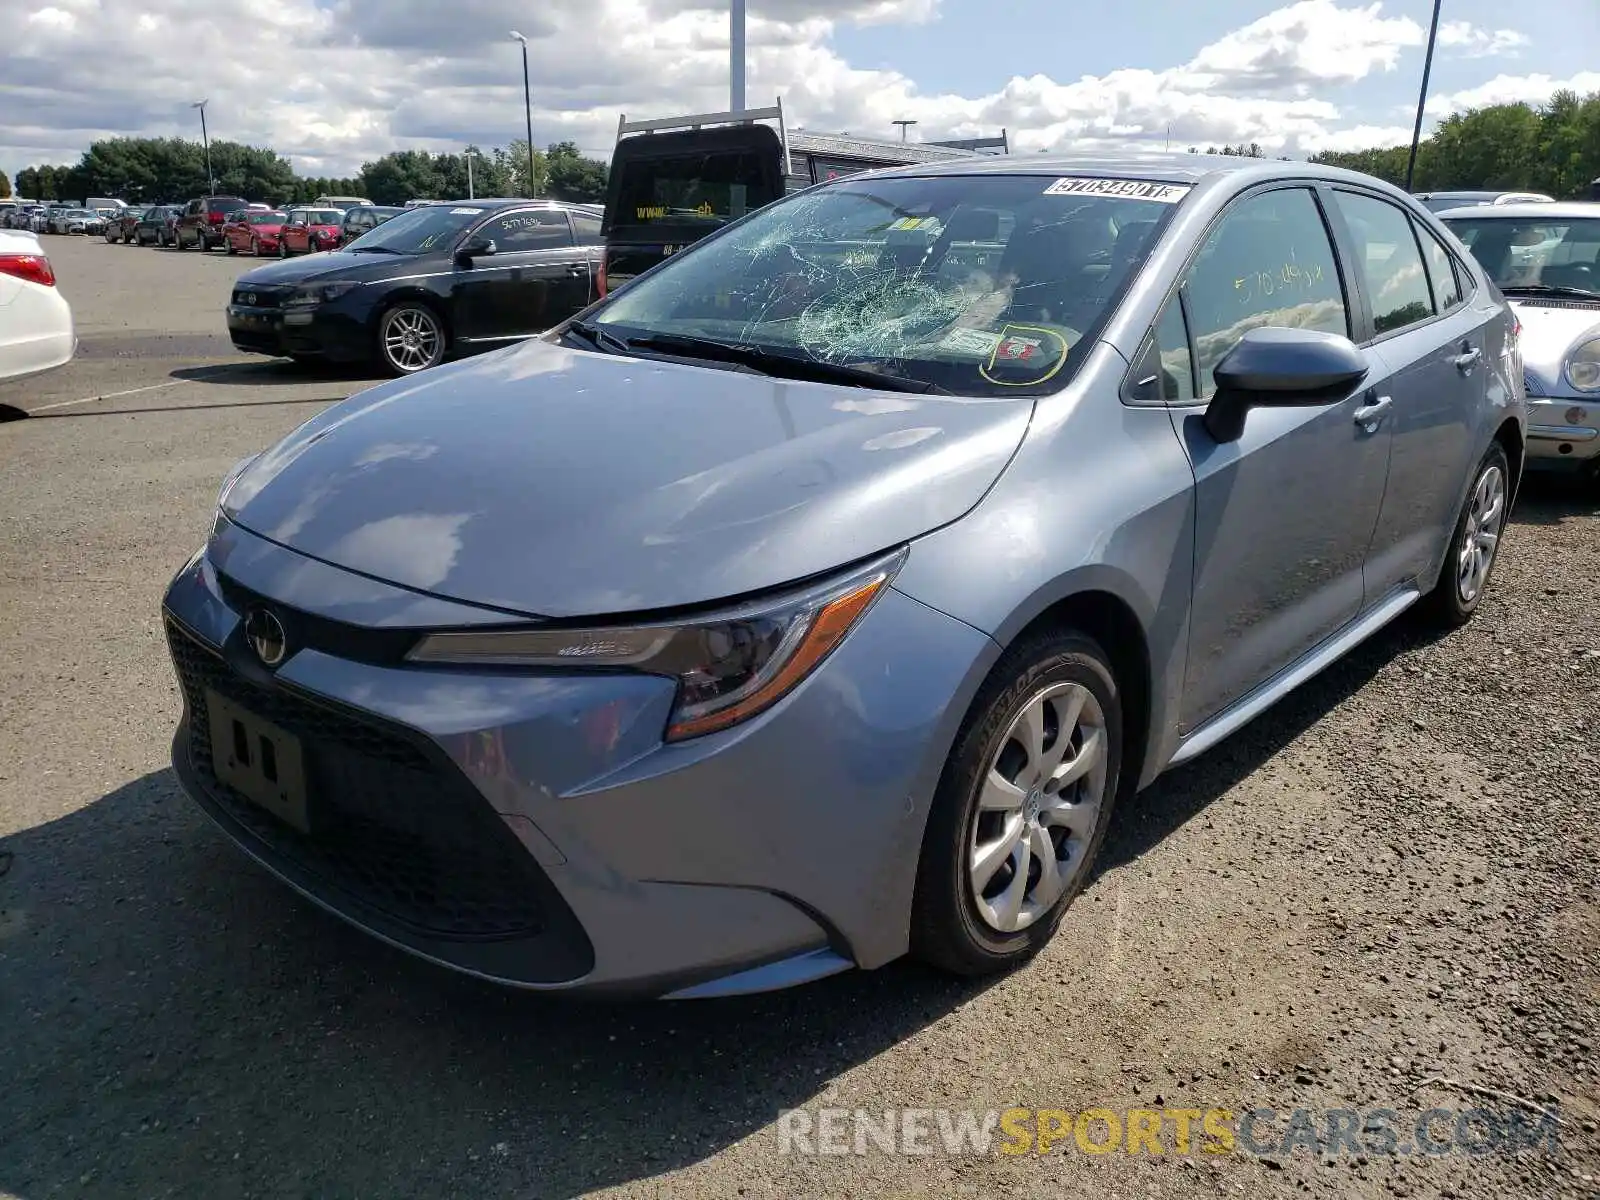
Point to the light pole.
(1422, 98)
(904, 125)
(211, 180)
(469, 156)
(736, 55)
(527, 105)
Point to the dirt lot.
(1388, 881)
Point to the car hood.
(558, 482)
(342, 264)
(1548, 332)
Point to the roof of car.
(1132, 164)
(1551, 210)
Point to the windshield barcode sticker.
(1119, 189)
(980, 343)
(465, 212)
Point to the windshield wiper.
(597, 337)
(770, 362)
(1550, 289)
(375, 250)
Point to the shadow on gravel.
(178, 1023)
(273, 372)
(1547, 498)
(1185, 792)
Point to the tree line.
(1552, 148)
(170, 170)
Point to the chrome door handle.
(1368, 415)
(1468, 358)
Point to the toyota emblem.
(266, 636)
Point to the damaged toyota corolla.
(811, 600)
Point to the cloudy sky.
(330, 83)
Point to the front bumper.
(533, 829)
(1563, 428)
(327, 331)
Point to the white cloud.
(330, 83)
(1472, 42)
(1512, 89)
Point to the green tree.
(401, 176)
(574, 177)
(5, 186)
(1552, 148)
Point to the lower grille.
(395, 831)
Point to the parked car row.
(53, 218)
(240, 227)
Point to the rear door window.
(1443, 273)
(690, 189)
(536, 229)
(1389, 259)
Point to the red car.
(310, 229)
(252, 231)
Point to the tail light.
(35, 268)
(600, 277)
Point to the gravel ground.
(1388, 881)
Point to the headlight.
(1583, 366)
(321, 293)
(729, 665)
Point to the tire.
(1462, 583)
(974, 921)
(255, 247)
(283, 249)
(407, 357)
(232, 249)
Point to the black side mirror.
(1286, 368)
(478, 247)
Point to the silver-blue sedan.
(1545, 258)
(812, 599)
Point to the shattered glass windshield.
(977, 285)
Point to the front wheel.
(232, 249)
(1022, 807)
(283, 249)
(411, 338)
(1475, 544)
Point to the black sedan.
(431, 282)
(154, 227)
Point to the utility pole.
(1422, 97)
(211, 180)
(527, 106)
(736, 55)
(904, 125)
(469, 156)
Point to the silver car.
(811, 599)
(1545, 258)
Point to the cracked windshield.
(975, 286)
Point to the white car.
(1545, 257)
(36, 332)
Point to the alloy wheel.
(412, 339)
(1039, 807)
(1486, 516)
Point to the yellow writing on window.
(1288, 277)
